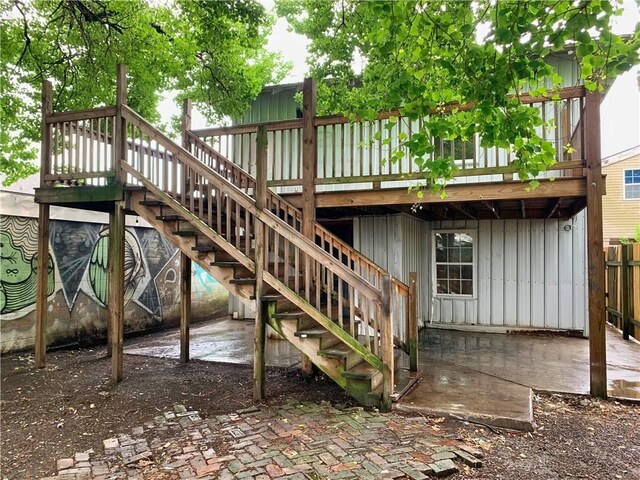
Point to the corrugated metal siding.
(529, 273)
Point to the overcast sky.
(620, 109)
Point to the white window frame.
(473, 233)
(624, 185)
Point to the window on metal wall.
(632, 184)
(455, 257)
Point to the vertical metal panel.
(537, 273)
(484, 272)
(579, 273)
(523, 290)
(551, 274)
(565, 275)
(511, 247)
(497, 272)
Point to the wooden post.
(309, 167)
(43, 234)
(185, 305)
(120, 147)
(626, 291)
(186, 122)
(412, 319)
(259, 336)
(42, 285)
(595, 260)
(116, 288)
(386, 342)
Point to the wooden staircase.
(329, 301)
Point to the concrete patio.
(482, 377)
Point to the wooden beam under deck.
(480, 192)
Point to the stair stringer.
(246, 293)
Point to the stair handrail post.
(386, 342)
(412, 321)
(185, 123)
(120, 134)
(45, 148)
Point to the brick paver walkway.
(294, 441)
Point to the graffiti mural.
(134, 270)
(77, 288)
(18, 265)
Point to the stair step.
(272, 297)
(203, 248)
(362, 371)
(168, 218)
(185, 233)
(339, 350)
(311, 332)
(289, 315)
(243, 281)
(152, 203)
(226, 264)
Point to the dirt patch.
(72, 406)
(574, 437)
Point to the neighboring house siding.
(77, 310)
(620, 216)
(528, 273)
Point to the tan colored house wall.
(620, 216)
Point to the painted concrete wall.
(528, 273)
(78, 281)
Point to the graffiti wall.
(77, 282)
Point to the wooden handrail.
(268, 218)
(319, 229)
(76, 115)
(339, 119)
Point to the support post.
(595, 260)
(116, 289)
(309, 167)
(43, 234)
(627, 293)
(42, 285)
(186, 122)
(120, 146)
(386, 342)
(412, 320)
(185, 305)
(259, 336)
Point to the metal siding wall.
(530, 273)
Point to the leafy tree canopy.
(420, 55)
(212, 52)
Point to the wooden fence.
(622, 282)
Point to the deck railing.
(356, 153)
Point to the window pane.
(467, 287)
(442, 286)
(454, 287)
(632, 192)
(466, 255)
(464, 240)
(441, 271)
(467, 272)
(454, 272)
(454, 254)
(441, 254)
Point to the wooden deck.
(218, 182)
